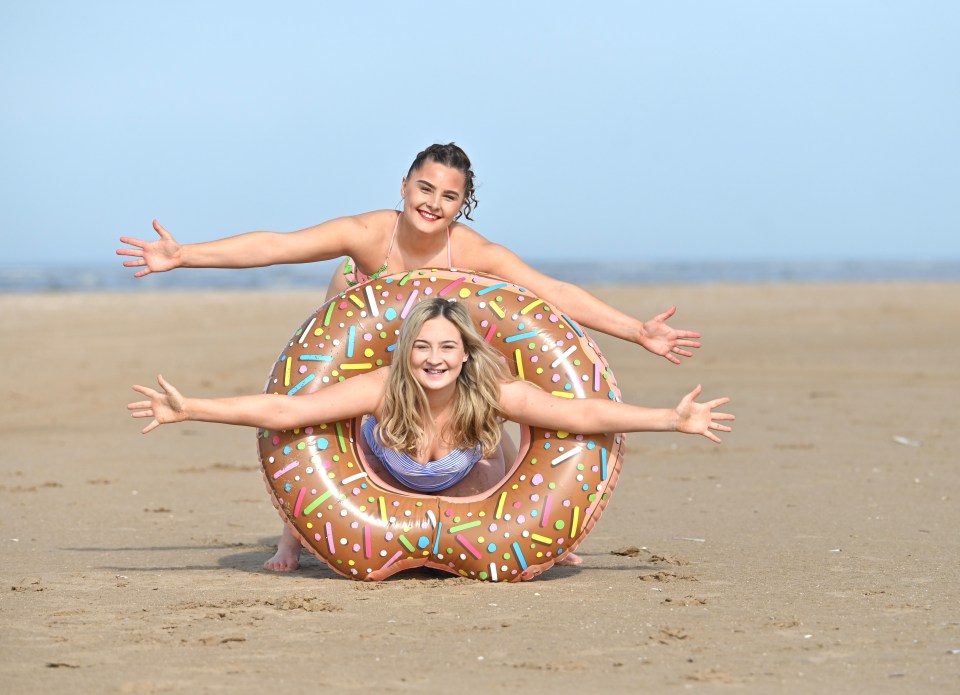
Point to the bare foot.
(287, 557)
(570, 559)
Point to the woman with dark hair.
(437, 191)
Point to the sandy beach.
(816, 550)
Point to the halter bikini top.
(354, 276)
(432, 476)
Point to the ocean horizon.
(64, 277)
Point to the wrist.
(673, 421)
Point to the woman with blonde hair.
(436, 411)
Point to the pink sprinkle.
(553, 318)
(537, 479)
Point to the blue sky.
(635, 131)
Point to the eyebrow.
(421, 341)
(426, 183)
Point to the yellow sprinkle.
(464, 292)
(563, 394)
(519, 359)
(503, 498)
(359, 365)
(573, 526)
(528, 307)
(541, 539)
(497, 310)
(383, 510)
(563, 435)
(286, 372)
(356, 300)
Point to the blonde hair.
(476, 410)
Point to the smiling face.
(437, 355)
(433, 196)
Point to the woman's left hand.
(667, 342)
(164, 407)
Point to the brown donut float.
(365, 529)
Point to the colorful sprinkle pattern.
(364, 530)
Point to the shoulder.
(373, 222)
(468, 243)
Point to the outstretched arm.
(352, 398)
(654, 335)
(529, 405)
(251, 250)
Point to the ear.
(403, 187)
(466, 356)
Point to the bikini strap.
(449, 253)
(393, 238)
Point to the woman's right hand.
(698, 418)
(164, 407)
(152, 256)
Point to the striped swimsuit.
(432, 476)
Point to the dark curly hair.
(450, 155)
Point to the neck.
(441, 402)
(416, 242)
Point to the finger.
(139, 405)
(723, 416)
(153, 425)
(717, 402)
(130, 252)
(712, 437)
(720, 428)
(164, 234)
(145, 271)
(133, 242)
(145, 390)
(687, 334)
(143, 413)
(672, 359)
(689, 343)
(682, 352)
(133, 264)
(667, 314)
(693, 395)
(165, 384)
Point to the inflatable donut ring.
(364, 529)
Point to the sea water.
(314, 276)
